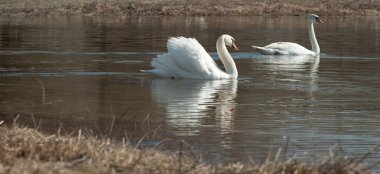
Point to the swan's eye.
(318, 20)
(233, 41)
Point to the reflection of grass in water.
(26, 150)
(190, 7)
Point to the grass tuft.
(26, 150)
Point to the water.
(83, 72)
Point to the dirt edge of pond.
(190, 8)
(27, 150)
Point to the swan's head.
(314, 18)
(230, 41)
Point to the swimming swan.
(186, 58)
(289, 48)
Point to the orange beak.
(234, 46)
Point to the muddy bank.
(181, 8)
(26, 150)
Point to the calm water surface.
(83, 72)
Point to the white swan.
(289, 48)
(186, 58)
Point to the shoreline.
(190, 8)
(27, 150)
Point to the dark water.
(83, 72)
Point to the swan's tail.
(267, 51)
(257, 47)
(262, 50)
(163, 66)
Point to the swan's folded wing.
(287, 48)
(269, 51)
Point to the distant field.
(190, 7)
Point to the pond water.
(84, 73)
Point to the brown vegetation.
(191, 7)
(26, 150)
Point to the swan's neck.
(226, 58)
(313, 38)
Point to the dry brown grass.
(26, 150)
(190, 7)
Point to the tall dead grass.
(190, 7)
(26, 150)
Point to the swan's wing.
(190, 55)
(186, 58)
(284, 48)
(269, 51)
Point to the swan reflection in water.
(190, 104)
(295, 72)
(290, 63)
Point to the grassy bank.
(189, 7)
(26, 150)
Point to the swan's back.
(285, 48)
(186, 58)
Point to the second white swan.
(186, 58)
(289, 48)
